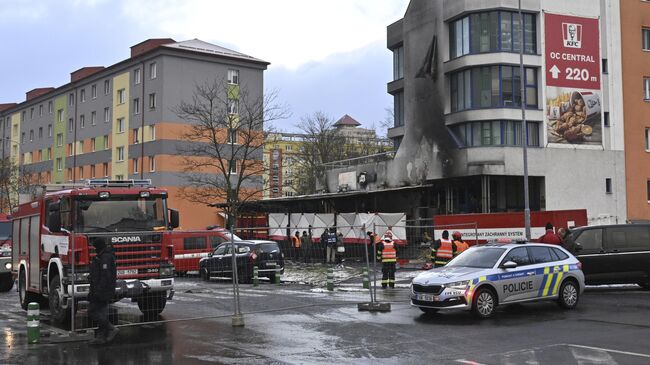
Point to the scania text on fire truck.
(54, 235)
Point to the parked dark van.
(612, 254)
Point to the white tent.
(278, 226)
(396, 222)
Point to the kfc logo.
(572, 34)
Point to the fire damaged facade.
(458, 119)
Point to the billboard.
(573, 105)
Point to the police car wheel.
(429, 311)
(484, 303)
(569, 294)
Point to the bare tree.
(321, 144)
(224, 144)
(15, 180)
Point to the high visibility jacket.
(446, 250)
(388, 252)
(296, 242)
(460, 247)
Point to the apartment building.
(118, 122)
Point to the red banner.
(572, 51)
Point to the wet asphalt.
(299, 323)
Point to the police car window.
(627, 237)
(518, 255)
(479, 257)
(591, 239)
(560, 254)
(541, 255)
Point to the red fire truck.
(6, 279)
(53, 243)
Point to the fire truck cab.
(53, 239)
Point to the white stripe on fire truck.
(191, 255)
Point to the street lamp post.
(524, 128)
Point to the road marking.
(469, 362)
(610, 350)
(592, 356)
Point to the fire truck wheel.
(152, 304)
(6, 282)
(56, 295)
(25, 296)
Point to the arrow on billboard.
(554, 71)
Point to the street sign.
(572, 51)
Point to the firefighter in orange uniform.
(388, 255)
(297, 243)
(442, 250)
(459, 243)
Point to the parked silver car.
(488, 275)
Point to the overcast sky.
(326, 55)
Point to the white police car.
(492, 274)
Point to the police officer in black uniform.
(103, 275)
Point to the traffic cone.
(330, 279)
(33, 322)
(366, 278)
(256, 280)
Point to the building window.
(93, 118)
(22, 116)
(398, 105)
(136, 76)
(232, 167)
(152, 132)
(120, 125)
(107, 145)
(152, 163)
(604, 65)
(647, 139)
(153, 70)
(92, 171)
(105, 169)
(31, 113)
(71, 99)
(70, 124)
(233, 77)
(233, 106)
(107, 87)
(646, 88)
(288, 148)
(608, 185)
(80, 149)
(135, 165)
(82, 95)
(93, 91)
(107, 115)
(119, 177)
(136, 135)
(81, 172)
(69, 173)
(92, 144)
(70, 149)
(398, 63)
(495, 133)
(49, 107)
(22, 137)
(232, 136)
(120, 154)
(136, 106)
(40, 132)
(606, 119)
(31, 135)
(645, 35)
(59, 115)
(59, 139)
(59, 164)
(152, 101)
(492, 87)
(121, 96)
(40, 110)
(82, 121)
(49, 130)
(495, 31)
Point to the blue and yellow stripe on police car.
(552, 280)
